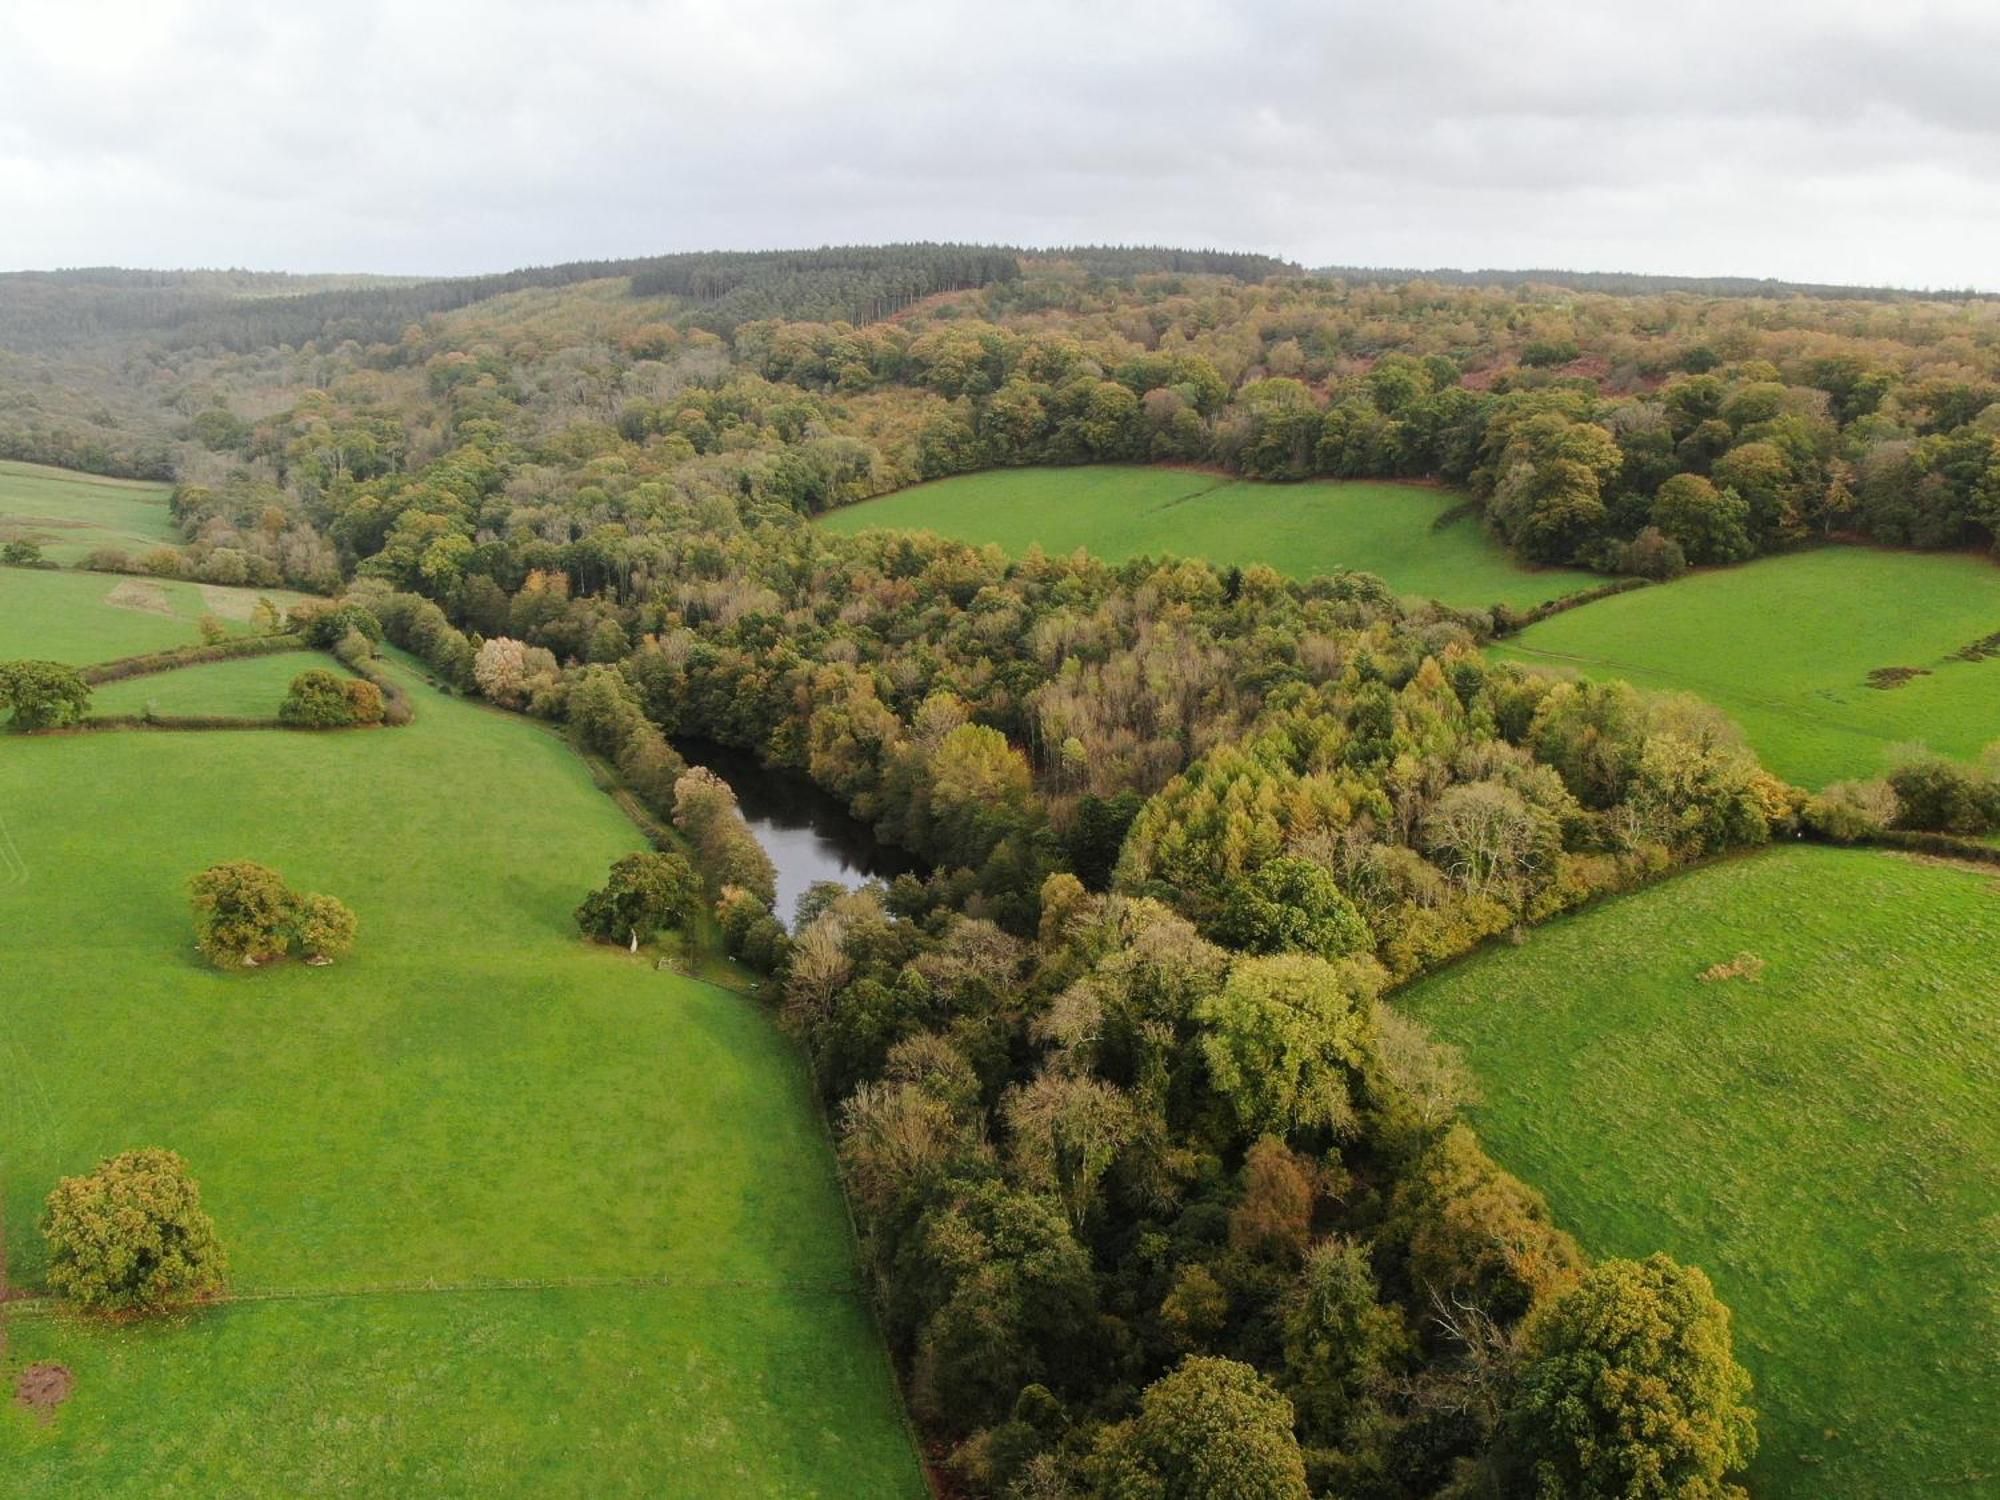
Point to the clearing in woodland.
(1784, 1069)
(1319, 526)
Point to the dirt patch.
(1983, 649)
(136, 593)
(1744, 966)
(231, 604)
(42, 1388)
(1894, 677)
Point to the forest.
(1155, 1190)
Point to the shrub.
(132, 1235)
(20, 554)
(161, 562)
(108, 560)
(1849, 811)
(325, 929)
(43, 694)
(1631, 1389)
(364, 700)
(319, 700)
(325, 625)
(1941, 796)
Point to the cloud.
(1830, 141)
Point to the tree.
(244, 913)
(1287, 1038)
(1212, 1429)
(1291, 905)
(324, 929)
(645, 893)
(132, 1236)
(43, 694)
(1711, 525)
(1067, 1129)
(510, 672)
(1340, 1341)
(1631, 1390)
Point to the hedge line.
(1945, 845)
(190, 656)
(1510, 621)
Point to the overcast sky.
(1828, 141)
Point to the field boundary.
(151, 663)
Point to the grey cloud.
(1830, 141)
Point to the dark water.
(808, 834)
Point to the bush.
(1849, 811)
(325, 625)
(325, 929)
(320, 700)
(132, 1236)
(1937, 795)
(43, 694)
(21, 555)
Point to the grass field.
(474, 1097)
(1121, 510)
(68, 513)
(248, 687)
(1822, 1141)
(1785, 646)
(82, 618)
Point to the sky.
(1826, 141)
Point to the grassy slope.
(475, 1094)
(250, 686)
(1822, 1141)
(1785, 646)
(69, 617)
(70, 513)
(1119, 511)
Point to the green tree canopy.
(1631, 1390)
(1213, 1429)
(43, 694)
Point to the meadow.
(504, 1212)
(82, 618)
(1319, 526)
(1785, 646)
(250, 687)
(67, 514)
(1819, 1137)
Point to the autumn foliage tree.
(132, 1236)
(246, 915)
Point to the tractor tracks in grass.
(42, 1306)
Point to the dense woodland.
(1147, 1176)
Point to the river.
(808, 834)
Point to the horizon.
(1516, 274)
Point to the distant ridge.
(1637, 284)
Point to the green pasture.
(250, 687)
(1323, 526)
(67, 514)
(82, 618)
(1785, 646)
(476, 1097)
(1821, 1138)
